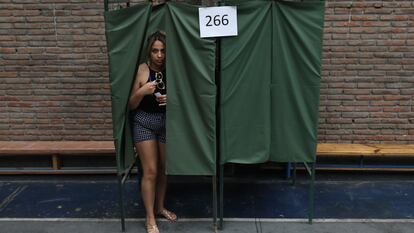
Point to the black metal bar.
(288, 170)
(308, 168)
(139, 173)
(127, 173)
(312, 194)
(221, 197)
(121, 200)
(214, 181)
(219, 166)
(122, 178)
(294, 173)
(106, 8)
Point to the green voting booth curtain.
(270, 75)
(245, 80)
(297, 55)
(156, 22)
(191, 133)
(191, 121)
(125, 31)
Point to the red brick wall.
(54, 75)
(53, 71)
(368, 72)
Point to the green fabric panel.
(245, 80)
(191, 121)
(125, 30)
(297, 49)
(156, 22)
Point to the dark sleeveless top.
(149, 103)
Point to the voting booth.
(243, 83)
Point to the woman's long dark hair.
(157, 35)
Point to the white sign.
(218, 21)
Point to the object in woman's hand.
(157, 94)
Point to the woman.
(149, 98)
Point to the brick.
(383, 115)
(366, 132)
(400, 73)
(387, 67)
(367, 109)
(357, 92)
(371, 85)
(397, 109)
(355, 103)
(355, 114)
(384, 103)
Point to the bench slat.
(107, 147)
(365, 149)
(56, 147)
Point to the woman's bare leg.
(162, 186)
(148, 154)
(161, 179)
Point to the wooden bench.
(55, 150)
(367, 151)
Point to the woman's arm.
(141, 87)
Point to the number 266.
(217, 20)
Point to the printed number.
(216, 20)
(209, 21)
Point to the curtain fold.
(156, 22)
(125, 34)
(191, 121)
(296, 74)
(245, 80)
(270, 77)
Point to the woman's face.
(158, 53)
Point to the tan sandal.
(152, 228)
(170, 216)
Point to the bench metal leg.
(361, 161)
(55, 162)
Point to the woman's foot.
(152, 228)
(170, 216)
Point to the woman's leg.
(161, 179)
(162, 185)
(147, 152)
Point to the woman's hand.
(148, 88)
(161, 99)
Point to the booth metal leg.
(139, 173)
(288, 170)
(121, 201)
(294, 173)
(214, 181)
(312, 193)
(221, 190)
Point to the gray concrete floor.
(248, 226)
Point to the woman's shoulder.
(143, 70)
(143, 67)
(142, 73)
